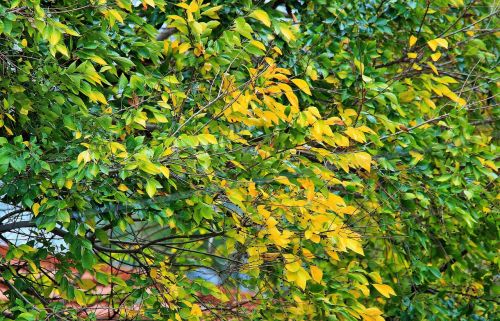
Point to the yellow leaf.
(123, 187)
(412, 55)
(375, 277)
(413, 40)
(24, 42)
(83, 156)
(436, 56)
(407, 96)
(196, 311)
(277, 50)
(99, 60)
(206, 139)
(262, 16)
(491, 165)
(212, 12)
(184, 47)
(384, 289)
(183, 5)
(287, 33)
(316, 273)
(354, 245)
(68, 184)
(450, 94)
(297, 275)
(151, 188)
(54, 37)
(363, 160)
(416, 67)
(355, 134)
(36, 209)
(116, 146)
(434, 69)
(340, 140)
(116, 15)
(439, 42)
(165, 171)
(430, 103)
(372, 314)
(193, 6)
(416, 156)
(151, 3)
(258, 44)
(97, 96)
(62, 49)
(302, 85)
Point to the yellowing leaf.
(416, 67)
(97, 96)
(36, 209)
(62, 49)
(417, 157)
(316, 273)
(412, 41)
(439, 42)
(384, 289)
(116, 15)
(212, 12)
(206, 139)
(151, 188)
(412, 55)
(116, 146)
(262, 16)
(302, 85)
(287, 33)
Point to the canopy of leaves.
(259, 160)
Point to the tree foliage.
(334, 160)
